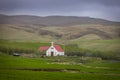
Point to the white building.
(53, 50)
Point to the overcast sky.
(106, 9)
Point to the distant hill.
(53, 20)
(27, 27)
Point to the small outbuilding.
(53, 50)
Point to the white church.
(53, 50)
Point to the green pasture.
(23, 45)
(30, 75)
(95, 69)
(102, 45)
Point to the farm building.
(53, 50)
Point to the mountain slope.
(26, 27)
(53, 20)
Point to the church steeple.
(52, 43)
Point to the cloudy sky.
(106, 9)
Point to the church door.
(52, 53)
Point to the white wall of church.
(53, 52)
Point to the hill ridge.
(53, 20)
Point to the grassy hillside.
(18, 33)
(39, 33)
(36, 28)
(73, 35)
(102, 45)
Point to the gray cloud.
(108, 9)
(6, 5)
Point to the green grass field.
(69, 68)
(107, 49)
(23, 45)
(102, 45)
(11, 69)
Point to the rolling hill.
(98, 33)
(47, 28)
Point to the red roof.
(43, 48)
(57, 47)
